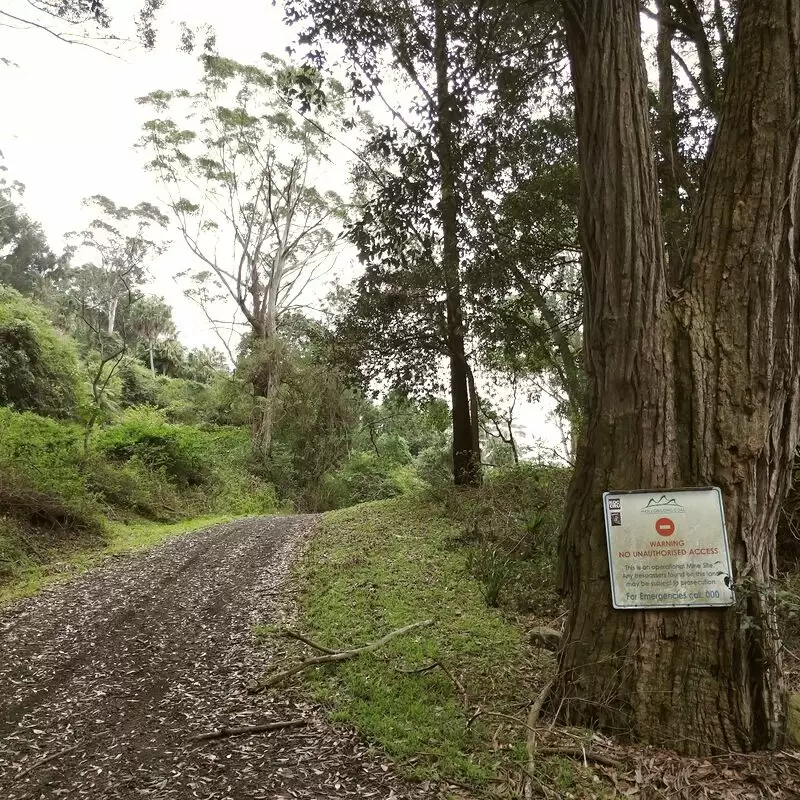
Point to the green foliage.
(44, 503)
(38, 368)
(144, 434)
(362, 478)
(134, 488)
(512, 523)
(316, 414)
(137, 385)
(183, 401)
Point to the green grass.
(61, 563)
(377, 567)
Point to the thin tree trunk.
(152, 362)
(466, 458)
(699, 680)
(474, 413)
(112, 315)
(670, 162)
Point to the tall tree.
(691, 381)
(247, 177)
(117, 246)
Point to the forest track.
(105, 679)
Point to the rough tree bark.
(466, 450)
(697, 389)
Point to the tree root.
(333, 657)
(221, 733)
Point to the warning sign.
(668, 549)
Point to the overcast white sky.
(69, 122)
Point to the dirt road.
(105, 679)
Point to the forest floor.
(106, 679)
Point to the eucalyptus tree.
(116, 249)
(244, 177)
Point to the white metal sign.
(668, 548)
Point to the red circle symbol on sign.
(665, 526)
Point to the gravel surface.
(105, 679)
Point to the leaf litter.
(104, 681)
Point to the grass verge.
(61, 563)
(379, 566)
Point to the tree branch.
(332, 658)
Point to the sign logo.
(664, 505)
(665, 526)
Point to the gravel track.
(111, 675)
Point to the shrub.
(434, 466)
(133, 488)
(182, 401)
(138, 386)
(43, 498)
(38, 367)
(362, 478)
(145, 435)
(512, 523)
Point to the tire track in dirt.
(126, 663)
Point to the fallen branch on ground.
(533, 719)
(220, 733)
(42, 761)
(298, 637)
(580, 753)
(418, 670)
(333, 658)
(457, 684)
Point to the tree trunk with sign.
(689, 384)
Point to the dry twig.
(533, 719)
(42, 761)
(220, 733)
(333, 658)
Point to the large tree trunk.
(466, 453)
(723, 413)
(741, 311)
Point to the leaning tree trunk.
(466, 452)
(707, 395)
